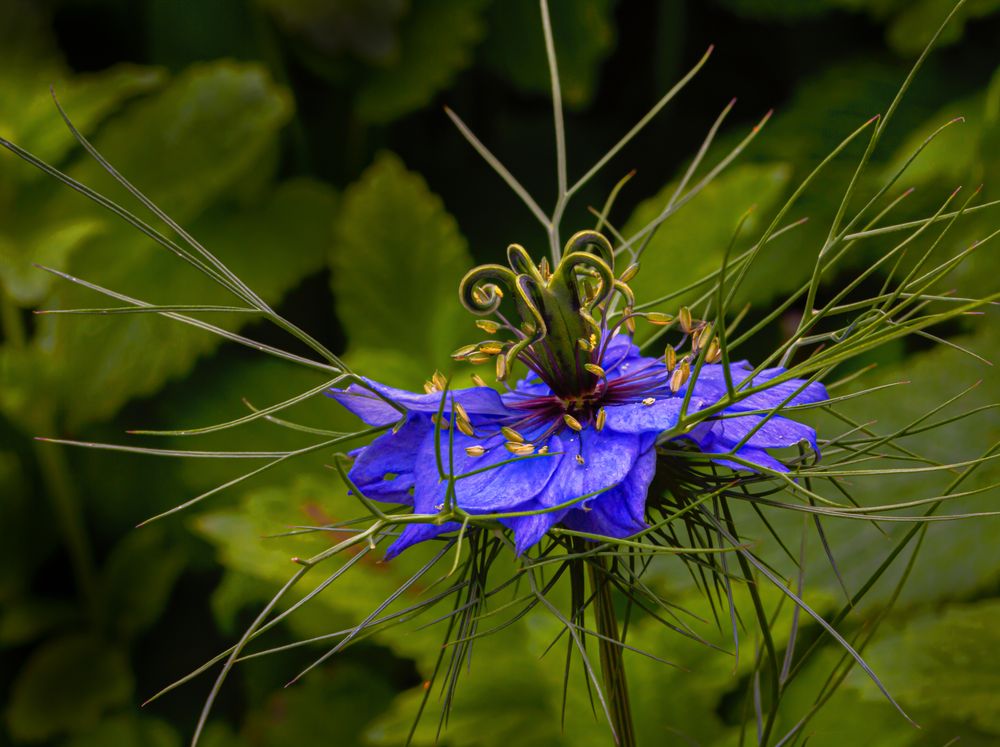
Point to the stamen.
(670, 358)
(680, 376)
(595, 369)
(648, 401)
(442, 423)
(520, 449)
(465, 426)
(478, 380)
(478, 358)
(580, 459)
(501, 367)
(440, 381)
(463, 352)
(475, 451)
(429, 387)
(461, 412)
(511, 435)
(658, 318)
(684, 317)
(572, 422)
(630, 272)
(487, 326)
(602, 416)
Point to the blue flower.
(574, 441)
(530, 450)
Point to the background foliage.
(304, 143)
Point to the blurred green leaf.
(138, 577)
(271, 246)
(128, 731)
(397, 263)
(583, 33)
(66, 686)
(436, 40)
(691, 242)
(367, 28)
(24, 620)
(331, 706)
(940, 662)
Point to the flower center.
(563, 313)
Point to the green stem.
(612, 663)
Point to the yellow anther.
(491, 348)
(629, 272)
(670, 358)
(680, 376)
(585, 345)
(594, 369)
(579, 459)
(475, 451)
(488, 326)
(648, 401)
(463, 352)
(714, 352)
(572, 422)
(520, 449)
(478, 380)
(511, 435)
(440, 381)
(629, 322)
(602, 416)
(544, 449)
(659, 318)
(684, 317)
(460, 411)
(543, 269)
(465, 426)
(501, 367)
(440, 422)
(478, 358)
(429, 387)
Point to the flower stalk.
(609, 645)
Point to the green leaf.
(436, 40)
(691, 243)
(102, 363)
(939, 663)
(66, 686)
(397, 263)
(138, 578)
(128, 731)
(27, 619)
(331, 706)
(194, 141)
(583, 33)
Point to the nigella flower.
(574, 441)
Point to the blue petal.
(758, 457)
(528, 530)
(489, 490)
(390, 453)
(776, 432)
(608, 457)
(415, 533)
(655, 418)
(374, 410)
(620, 512)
